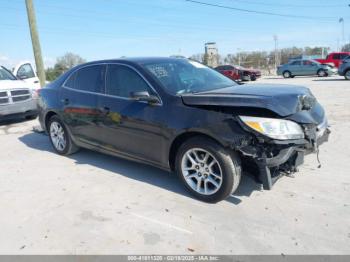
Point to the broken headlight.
(274, 128)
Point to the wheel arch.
(285, 71)
(47, 117)
(182, 138)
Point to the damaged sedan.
(182, 116)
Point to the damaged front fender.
(275, 159)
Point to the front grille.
(14, 96)
(4, 100)
(20, 98)
(19, 92)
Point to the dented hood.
(283, 100)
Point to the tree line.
(256, 59)
(267, 60)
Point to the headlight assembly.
(274, 128)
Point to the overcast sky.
(99, 29)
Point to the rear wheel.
(60, 138)
(347, 75)
(209, 171)
(287, 74)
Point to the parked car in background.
(17, 98)
(344, 69)
(26, 72)
(180, 115)
(236, 72)
(301, 67)
(334, 59)
(229, 71)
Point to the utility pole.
(35, 42)
(275, 38)
(341, 20)
(239, 56)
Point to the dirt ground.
(90, 203)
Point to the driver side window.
(122, 81)
(25, 71)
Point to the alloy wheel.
(58, 136)
(322, 73)
(202, 171)
(286, 74)
(347, 75)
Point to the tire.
(322, 73)
(253, 78)
(222, 163)
(347, 74)
(57, 130)
(287, 74)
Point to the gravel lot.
(91, 203)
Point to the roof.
(138, 60)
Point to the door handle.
(105, 110)
(65, 101)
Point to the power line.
(287, 5)
(261, 12)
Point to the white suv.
(17, 98)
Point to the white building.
(211, 54)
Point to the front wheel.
(60, 138)
(210, 172)
(322, 73)
(347, 75)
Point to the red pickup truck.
(334, 59)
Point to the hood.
(13, 84)
(284, 100)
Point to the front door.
(131, 128)
(79, 96)
(25, 72)
(309, 67)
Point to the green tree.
(63, 64)
(346, 48)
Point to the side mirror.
(145, 97)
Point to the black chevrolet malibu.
(182, 116)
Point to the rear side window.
(90, 79)
(336, 56)
(70, 81)
(122, 80)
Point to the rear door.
(130, 127)
(79, 97)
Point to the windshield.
(185, 76)
(5, 74)
(316, 62)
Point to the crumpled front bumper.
(277, 158)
